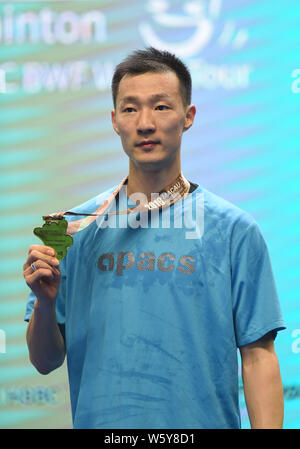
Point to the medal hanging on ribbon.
(53, 233)
(57, 232)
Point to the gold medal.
(53, 234)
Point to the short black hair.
(155, 61)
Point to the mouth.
(147, 144)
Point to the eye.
(128, 109)
(162, 107)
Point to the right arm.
(44, 340)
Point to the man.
(151, 320)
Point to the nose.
(145, 124)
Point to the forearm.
(45, 343)
(264, 393)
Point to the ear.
(113, 120)
(189, 117)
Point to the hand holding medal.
(41, 269)
(42, 274)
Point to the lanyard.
(175, 191)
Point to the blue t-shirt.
(154, 311)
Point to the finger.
(40, 274)
(40, 264)
(43, 249)
(35, 255)
(39, 249)
(43, 273)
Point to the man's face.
(150, 118)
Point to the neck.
(150, 181)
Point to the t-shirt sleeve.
(60, 301)
(256, 308)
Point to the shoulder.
(90, 206)
(238, 226)
(225, 215)
(85, 212)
